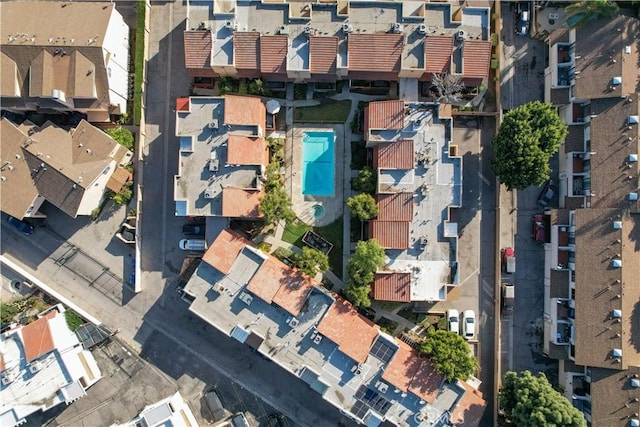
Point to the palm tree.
(581, 12)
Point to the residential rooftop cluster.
(316, 335)
(42, 365)
(592, 273)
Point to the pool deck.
(303, 204)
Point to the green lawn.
(293, 233)
(328, 112)
(141, 10)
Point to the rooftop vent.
(461, 35)
(231, 25)
(283, 30)
(616, 80)
(308, 30)
(617, 352)
(422, 29)
(633, 158)
(616, 314)
(635, 383)
(397, 28)
(616, 263)
(617, 225)
(632, 120)
(347, 28)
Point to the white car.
(468, 324)
(193, 245)
(453, 320)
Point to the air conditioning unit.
(461, 35)
(308, 30)
(246, 298)
(213, 124)
(397, 28)
(347, 28)
(34, 367)
(284, 30)
(383, 387)
(422, 29)
(231, 25)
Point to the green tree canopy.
(581, 12)
(275, 205)
(363, 206)
(450, 354)
(364, 262)
(358, 295)
(311, 261)
(365, 182)
(122, 136)
(527, 139)
(529, 401)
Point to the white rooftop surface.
(36, 386)
(437, 185)
(298, 54)
(319, 363)
(200, 187)
(222, 45)
(172, 411)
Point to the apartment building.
(592, 267)
(419, 176)
(61, 57)
(72, 169)
(321, 339)
(325, 41)
(42, 365)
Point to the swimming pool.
(318, 159)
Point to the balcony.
(579, 113)
(564, 53)
(565, 74)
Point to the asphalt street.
(522, 62)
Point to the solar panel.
(373, 400)
(382, 350)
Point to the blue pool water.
(318, 159)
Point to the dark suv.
(547, 193)
(193, 229)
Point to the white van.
(193, 245)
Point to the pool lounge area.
(314, 180)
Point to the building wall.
(95, 191)
(115, 49)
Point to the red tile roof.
(244, 150)
(246, 48)
(394, 155)
(437, 51)
(323, 52)
(294, 289)
(375, 52)
(426, 382)
(183, 104)
(476, 58)
(353, 333)
(392, 287)
(470, 408)
(395, 207)
(244, 110)
(241, 203)
(224, 250)
(265, 284)
(390, 234)
(197, 49)
(385, 115)
(407, 371)
(273, 53)
(37, 339)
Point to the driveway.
(522, 63)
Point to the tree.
(450, 354)
(529, 401)
(358, 295)
(448, 87)
(275, 205)
(365, 182)
(364, 261)
(363, 206)
(581, 12)
(311, 261)
(527, 139)
(122, 136)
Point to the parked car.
(468, 324)
(547, 193)
(23, 227)
(193, 229)
(524, 16)
(193, 245)
(453, 320)
(537, 228)
(508, 299)
(508, 260)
